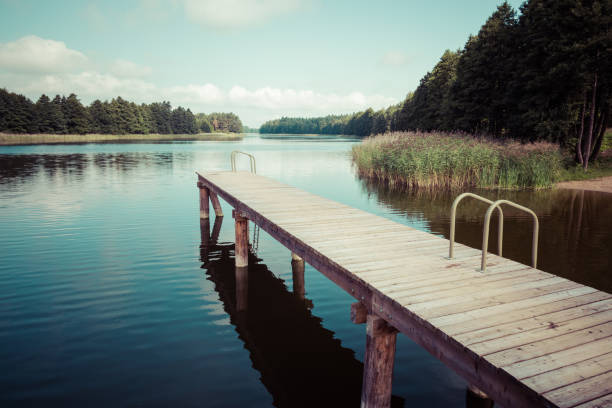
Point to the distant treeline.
(360, 124)
(66, 115)
(545, 74)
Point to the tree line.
(66, 115)
(544, 73)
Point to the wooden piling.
(242, 240)
(297, 268)
(476, 398)
(359, 313)
(214, 237)
(214, 199)
(242, 288)
(378, 363)
(204, 238)
(204, 193)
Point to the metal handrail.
(500, 232)
(485, 231)
(251, 159)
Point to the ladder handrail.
(485, 231)
(500, 232)
(251, 160)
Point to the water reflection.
(575, 227)
(301, 363)
(21, 168)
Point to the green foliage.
(66, 115)
(452, 161)
(543, 75)
(225, 122)
(17, 113)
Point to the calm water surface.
(107, 298)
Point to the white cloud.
(128, 69)
(34, 54)
(305, 100)
(395, 58)
(231, 14)
(88, 85)
(132, 82)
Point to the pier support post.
(359, 313)
(475, 398)
(297, 268)
(204, 213)
(205, 239)
(242, 240)
(378, 363)
(214, 238)
(216, 204)
(242, 288)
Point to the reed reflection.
(300, 361)
(575, 226)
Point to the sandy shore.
(603, 184)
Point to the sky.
(261, 59)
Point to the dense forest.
(66, 115)
(544, 73)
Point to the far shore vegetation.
(67, 116)
(7, 139)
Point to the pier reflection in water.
(301, 363)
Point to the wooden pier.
(519, 336)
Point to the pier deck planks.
(525, 337)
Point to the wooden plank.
(570, 374)
(553, 361)
(583, 391)
(458, 318)
(601, 402)
(487, 326)
(540, 342)
(533, 321)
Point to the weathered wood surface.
(523, 336)
(378, 363)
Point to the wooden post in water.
(475, 398)
(242, 288)
(378, 363)
(205, 238)
(214, 238)
(297, 267)
(242, 240)
(204, 213)
(216, 204)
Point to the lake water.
(108, 299)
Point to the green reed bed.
(453, 161)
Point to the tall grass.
(27, 139)
(453, 161)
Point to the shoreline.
(8, 139)
(601, 184)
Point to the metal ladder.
(253, 164)
(485, 230)
(251, 160)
